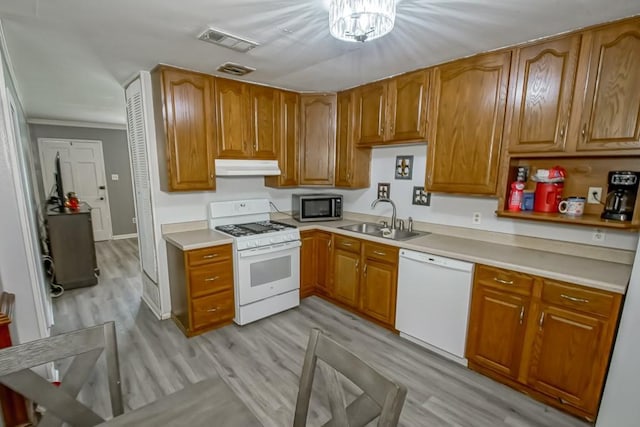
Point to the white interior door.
(82, 166)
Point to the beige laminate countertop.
(589, 272)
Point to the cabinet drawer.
(504, 279)
(578, 298)
(211, 278)
(212, 309)
(207, 255)
(347, 243)
(381, 252)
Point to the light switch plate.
(115, 177)
(419, 197)
(384, 190)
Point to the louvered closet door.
(141, 181)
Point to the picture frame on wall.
(404, 167)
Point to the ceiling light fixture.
(361, 20)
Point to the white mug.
(573, 206)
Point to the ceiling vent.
(227, 40)
(235, 69)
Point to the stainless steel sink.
(364, 227)
(376, 230)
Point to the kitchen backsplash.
(444, 209)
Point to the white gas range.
(266, 258)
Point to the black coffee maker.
(621, 196)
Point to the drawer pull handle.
(541, 322)
(364, 270)
(574, 299)
(504, 282)
(521, 314)
(211, 310)
(380, 253)
(347, 244)
(211, 279)
(210, 256)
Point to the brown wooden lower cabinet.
(356, 274)
(201, 282)
(551, 340)
(315, 263)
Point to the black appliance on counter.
(621, 195)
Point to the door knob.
(102, 187)
(101, 198)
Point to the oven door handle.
(269, 249)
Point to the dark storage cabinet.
(72, 248)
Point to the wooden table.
(207, 403)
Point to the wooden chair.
(381, 398)
(60, 402)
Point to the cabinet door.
(346, 276)
(308, 263)
(544, 86)
(370, 113)
(264, 125)
(318, 139)
(497, 325)
(324, 267)
(407, 110)
(568, 357)
(352, 164)
(233, 119)
(288, 137)
(189, 129)
(466, 121)
(378, 290)
(611, 112)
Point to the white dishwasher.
(432, 309)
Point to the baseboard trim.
(124, 236)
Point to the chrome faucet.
(393, 216)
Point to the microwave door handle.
(280, 247)
(333, 208)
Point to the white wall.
(457, 210)
(20, 268)
(619, 407)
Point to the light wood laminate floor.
(262, 361)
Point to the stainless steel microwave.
(316, 207)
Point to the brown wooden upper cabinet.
(352, 163)
(610, 118)
(578, 95)
(466, 120)
(542, 89)
(393, 110)
(185, 108)
(288, 133)
(247, 120)
(317, 139)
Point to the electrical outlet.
(384, 190)
(133, 220)
(477, 218)
(598, 235)
(594, 195)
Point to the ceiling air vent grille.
(227, 40)
(235, 69)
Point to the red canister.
(548, 196)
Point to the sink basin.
(376, 230)
(364, 227)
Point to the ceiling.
(71, 57)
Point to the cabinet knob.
(562, 132)
(584, 131)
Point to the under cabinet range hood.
(239, 167)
